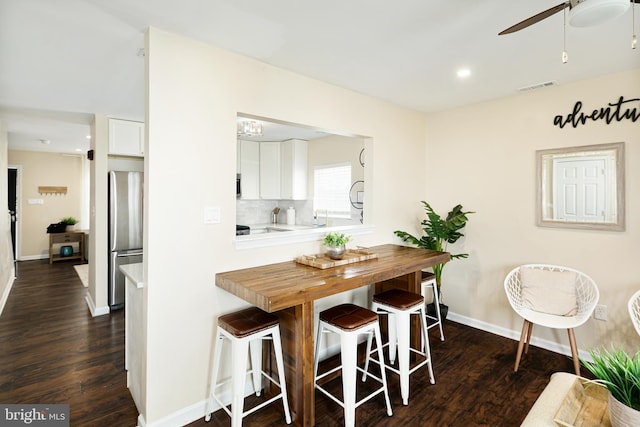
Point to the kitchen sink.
(267, 230)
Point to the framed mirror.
(581, 187)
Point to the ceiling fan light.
(588, 13)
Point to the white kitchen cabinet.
(135, 354)
(126, 138)
(249, 169)
(293, 169)
(270, 170)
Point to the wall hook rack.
(52, 190)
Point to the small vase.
(621, 415)
(335, 252)
(66, 251)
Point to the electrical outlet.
(600, 312)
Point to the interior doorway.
(13, 193)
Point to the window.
(331, 185)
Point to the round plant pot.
(335, 252)
(621, 415)
(431, 310)
(70, 228)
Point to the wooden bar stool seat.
(399, 305)
(246, 329)
(349, 321)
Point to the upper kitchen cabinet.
(270, 170)
(293, 169)
(249, 169)
(283, 170)
(126, 138)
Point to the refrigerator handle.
(113, 209)
(127, 254)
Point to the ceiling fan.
(582, 13)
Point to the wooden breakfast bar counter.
(289, 290)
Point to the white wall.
(97, 295)
(483, 156)
(194, 94)
(7, 271)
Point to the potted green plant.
(70, 222)
(620, 374)
(335, 244)
(438, 233)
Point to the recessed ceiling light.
(78, 149)
(88, 136)
(463, 72)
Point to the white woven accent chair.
(634, 310)
(552, 296)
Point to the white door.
(579, 190)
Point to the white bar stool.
(245, 330)
(429, 281)
(349, 321)
(399, 305)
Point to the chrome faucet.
(316, 219)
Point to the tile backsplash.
(250, 212)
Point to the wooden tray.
(585, 405)
(323, 261)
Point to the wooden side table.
(66, 238)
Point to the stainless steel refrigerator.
(125, 229)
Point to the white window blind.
(331, 185)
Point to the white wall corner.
(7, 289)
(95, 311)
(182, 417)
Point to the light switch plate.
(212, 215)
(35, 201)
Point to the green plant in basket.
(69, 220)
(619, 373)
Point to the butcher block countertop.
(274, 287)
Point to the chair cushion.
(348, 316)
(428, 276)
(398, 298)
(551, 292)
(247, 322)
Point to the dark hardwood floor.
(53, 351)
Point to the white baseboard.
(33, 257)
(515, 335)
(7, 289)
(95, 311)
(179, 418)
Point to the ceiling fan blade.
(538, 17)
